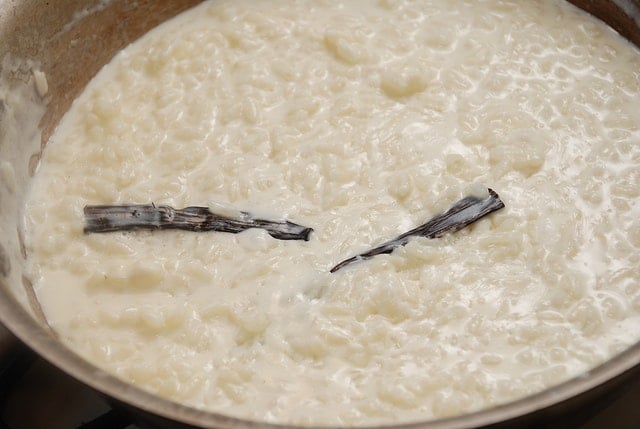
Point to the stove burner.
(61, 402)
(109, 420)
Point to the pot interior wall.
(622, 15)
(73, 39)
(68, 40)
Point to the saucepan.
(68, 41)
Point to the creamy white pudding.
(360, 119)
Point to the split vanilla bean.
(461, 214)
(111, 218)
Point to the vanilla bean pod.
(461, 214)
(110, 218)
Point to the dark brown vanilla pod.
(460, 215)
(111, 218)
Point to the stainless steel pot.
(69, 40)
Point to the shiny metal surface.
(70, 40)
